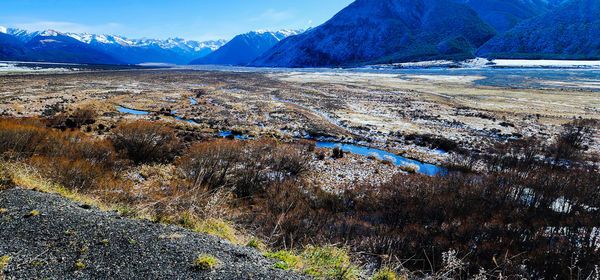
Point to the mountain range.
(245, 48)
(54, 46)
(365, 32)
(372, 31)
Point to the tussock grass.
(205, 262)
(321, 262)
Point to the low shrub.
(146, 141)
(205, 262)
(321, 262)
(245, 167)
(385, 274)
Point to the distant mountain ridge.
(52, 46)
(10, 46)
(365, 32)
(115, 49)
(370, 31)
(245, 48)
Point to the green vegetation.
(4, 260)
(6, 180)
(205, 262)
(260, 186)
(322, 262)
(386, 274)
(287, 260)
(217, 228)
(257, 244)
(79, 266)
(33, 213)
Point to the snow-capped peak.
(279, 34)
(3, 29)
(49, 33)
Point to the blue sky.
(199, 19)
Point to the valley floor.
(422, 117)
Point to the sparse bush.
(337, 153)
(245, 167)
(83, 116)
(75, 174)
(145, 141)
(218, 228)
(4, 260)
(256, 244)
(6, 180)
(321, 262)
(20, 138)
(385, 274)
(570, 144)
(78, 118)
(53, 109)
(205, 262)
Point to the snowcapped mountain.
(53, 46)
(244, 48)
(136, 51)
(385, 30)
(23, 35)
(10, 46)
(571, 31)
(129, 51)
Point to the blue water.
(174, 112)
(424, 168)
(240, 137)
(131, 111)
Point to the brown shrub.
(74, 174)
(79, 117)
(146, 141)
(570, 144)
(20, 138)
(246, 167)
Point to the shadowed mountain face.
(10, 46)
(505, 14)
(571, 31)
(244, 48)
(51, 46)
(384, 30)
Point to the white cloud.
(70, 27)
(273, 16)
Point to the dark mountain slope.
(51, 46)
(505, 14)
(383, 30)
(571, 31)
(10, 47)
(244, 48)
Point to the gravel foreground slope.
(63, 233)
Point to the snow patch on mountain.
(132, 51)
(244, 48)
